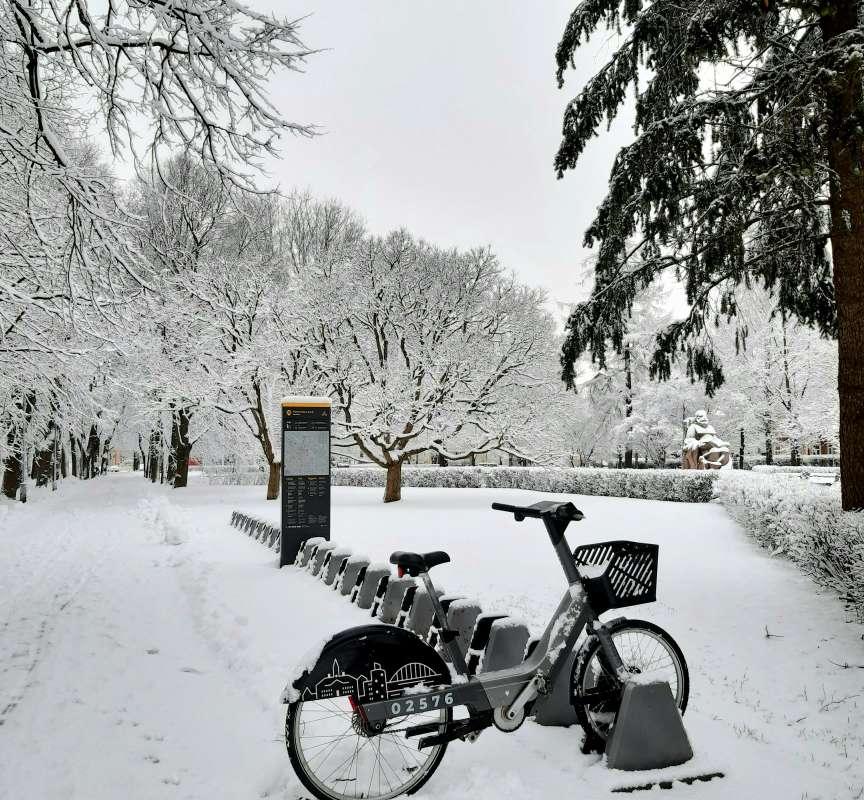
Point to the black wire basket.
(629, 576)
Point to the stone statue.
(703, 449)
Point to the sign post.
(305, 473)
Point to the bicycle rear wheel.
(644, 648)
(337, 758)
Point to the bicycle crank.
(506, 723)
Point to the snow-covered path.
(144, 644)
(107, 689)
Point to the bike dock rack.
(355, 569)
(336, 565)
(322, 552)
(418, 620)
(373, 576)
(388, 606)
(505, 647)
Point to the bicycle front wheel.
(336, 756)
(644, 648)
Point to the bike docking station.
(439, 650)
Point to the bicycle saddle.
(416, 563)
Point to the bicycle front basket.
(628, 577)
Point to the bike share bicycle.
(374, 715)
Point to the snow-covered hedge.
(804, 523)
(235, 475)
(644, 484)
(774, 469)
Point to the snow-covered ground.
(144, 644)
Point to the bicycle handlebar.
(539, 510)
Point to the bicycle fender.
(370, 662)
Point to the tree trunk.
(73, 453)
(628, 405)
(93, 453)
(393, 485)
(845, 97)
(273, 480)
(153, 457)
(174, 446)
(13, 475)
(14, 468)
(183, 448)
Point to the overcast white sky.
(444, 117)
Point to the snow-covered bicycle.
(372, 716)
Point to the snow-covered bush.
(644, 484)
(804, 523)
(774, 469)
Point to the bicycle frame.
(514, 688)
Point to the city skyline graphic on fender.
(369, 688)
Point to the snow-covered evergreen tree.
(745, 168)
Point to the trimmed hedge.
(643, 484)
(806, 524)
(774, 469)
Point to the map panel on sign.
(306, 453)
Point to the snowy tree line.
(244, 297)
(168, 314)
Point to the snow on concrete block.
(355, 567)
(406, 606)
(506, 646)
(648, 732)
(461, 617)
(309, 548)
(391, 603)
(338, 559)
(555, 708)
(479, 640)
(419, 619)
(317, 561)
(435, 631)
(274, 537)
(375, 573)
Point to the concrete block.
(648, 731)
(309, 548)
(338, 556)
(555, 708)
(375, 573)
(434, 630)
(406, 606)
(506, 645)
(391, 603)
(461, 617)
(274, 537)
(317, 561)
(419, 619)
(353, 569)
(479, 640)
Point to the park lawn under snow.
(144, 644)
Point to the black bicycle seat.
(416, 563)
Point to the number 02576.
(425, 702)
